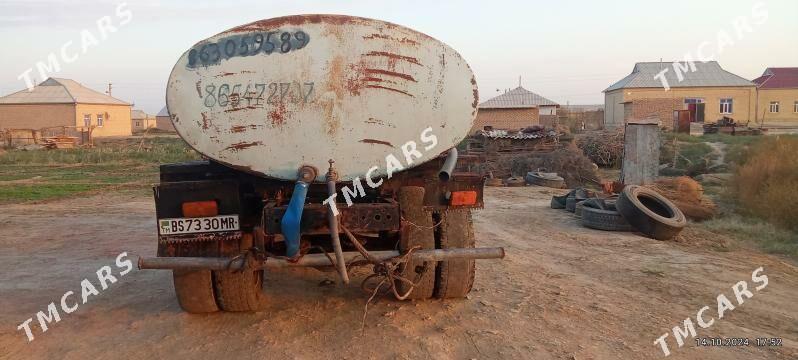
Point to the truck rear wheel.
(194, 290)
(417, 230)
(239, 291)
(455, 278)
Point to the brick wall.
(507, 119)
(661, 109)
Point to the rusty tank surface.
(265, 96)
(330, 143)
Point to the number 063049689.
(279, 42)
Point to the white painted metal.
(375, 86)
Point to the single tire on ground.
(454, 278)
(194, 290)
(604, 220)
(417, 230)
(545, 179)
(494, 182)
(650, 213)
(239, 291)
(514, 181)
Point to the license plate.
(197, 225)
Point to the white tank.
(273, 95)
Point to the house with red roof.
(777, 95)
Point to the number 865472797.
(256, 94)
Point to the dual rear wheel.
(207, 291)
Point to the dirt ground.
(562, 292)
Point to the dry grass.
(766, 185)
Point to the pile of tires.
(635, 209)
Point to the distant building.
(65, 103)
(164, 121)
(708, 93)
(777, 95)
(141, 120)
(513, 110)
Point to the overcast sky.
(567, 51)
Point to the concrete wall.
(116, 120)
(786, 99)
(548, 110)
(613, 109)
(507, 119)
(36, 116)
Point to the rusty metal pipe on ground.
(314, 260)
(448, 165)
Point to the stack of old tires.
(636, 208)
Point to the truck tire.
(239, 291)
(194, 290)
(650, 213)
(454, 278)
(545, 179)
(570, 203)
(558, 202)
(417, 230)
(609, 220)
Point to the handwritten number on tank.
(256, 94)
(280, 42)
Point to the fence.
(56, 136)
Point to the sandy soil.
(562, 292)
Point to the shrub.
(766, 184)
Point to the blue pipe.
(289, 225)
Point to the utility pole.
(519, 80)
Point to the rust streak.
(393, 56)
(373, 141)
(389, 89)
(205, 121)
(243, 145)
(390, 73)
(403, 40)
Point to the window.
(774, 106)
(138, 123)
(725, 106)
(795, 107)
(693, 101)
(99, 120)
(86, 120)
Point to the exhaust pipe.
(448, 166)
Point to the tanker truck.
(328, 141)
